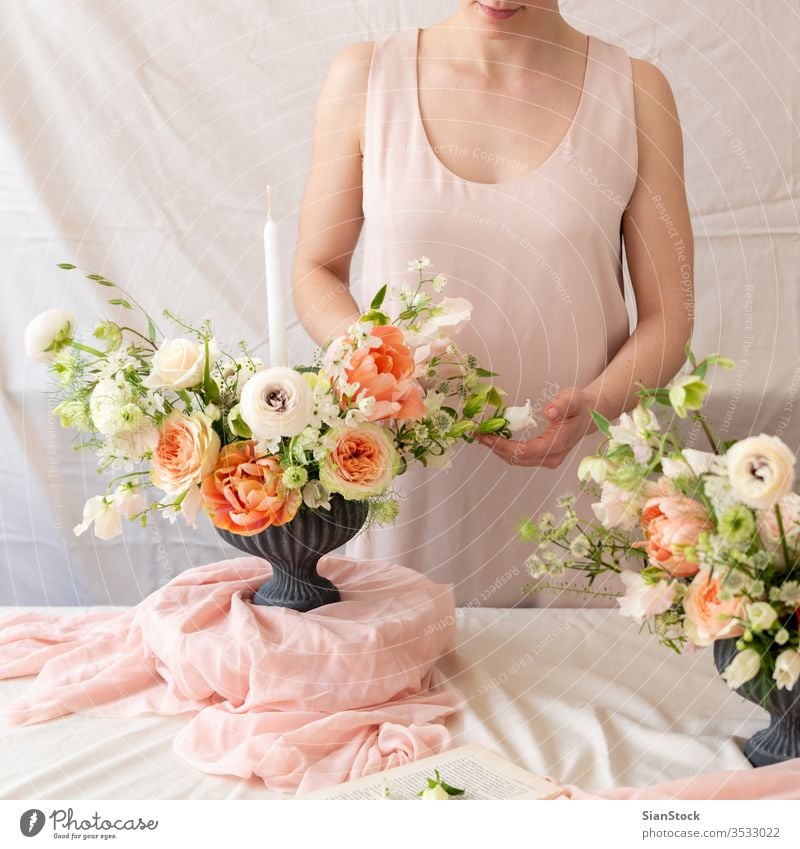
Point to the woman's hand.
(570, 420)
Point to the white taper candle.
(276, 323)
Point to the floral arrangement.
(254, 445)
(716, 534)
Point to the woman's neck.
(540, 34)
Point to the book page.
(482, 774)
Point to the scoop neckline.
(529, 174)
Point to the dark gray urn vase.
(294, 549)
(780, 741)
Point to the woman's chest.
(493, 137)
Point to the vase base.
(273, 594)
(766, 747)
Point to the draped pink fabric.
(301, 700)
(779, 781)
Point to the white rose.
(761, 615)
(437, 792)
(787, 669)
(742, 668)
(761, 470)
(520, 418)
(277, 402)
(105, 403)
(642, 600)
(47, 328)
(179, 364)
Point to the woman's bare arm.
(660, 252)
(331, 214)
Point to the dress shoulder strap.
(391, 98)
(608, 117)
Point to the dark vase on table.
(780, 741)
(294, 549)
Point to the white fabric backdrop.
(138, 142)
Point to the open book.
(482, 774)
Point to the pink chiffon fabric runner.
(302, 700)
(779, 781)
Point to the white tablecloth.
(577, 695)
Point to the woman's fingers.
(534, 452)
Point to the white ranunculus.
(105, 403)
(787, 669)
(643, 600)
(520, 418)
(50, 326)
(104, 514)
(761, 615)
(761, 470)
(179, 364)
(742, 668)
(277, 402)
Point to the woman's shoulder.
(647, 77)
(652, 91)
(349, 70)
(342, 99)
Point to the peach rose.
(709, 618)
(362, 462)
(386, 373)
(246, 494)
(187, 451)
(671, 522)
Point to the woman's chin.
(496, 18)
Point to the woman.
(517, 153)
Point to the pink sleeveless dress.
(540, 259)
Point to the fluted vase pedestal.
(780, 740)
(294, 549)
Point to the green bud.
(237, 424)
